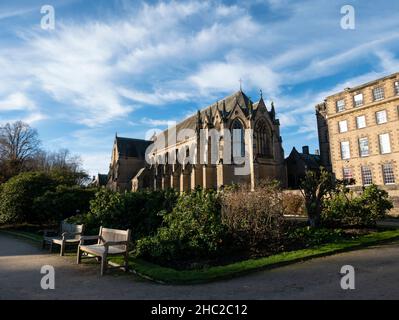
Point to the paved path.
(377, 277)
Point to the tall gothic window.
(263, 140)
(238, 139)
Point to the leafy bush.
(139, 211)
(69, 177)
(192, 230)
(254, 218)
(63, 202)
(309, 237)
(18, 194)
(346, 210)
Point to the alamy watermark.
(48, 280)
(348, 21)
(48, 19)
(348, 280)
(206, 146)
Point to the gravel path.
(377, 277)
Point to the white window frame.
(378, 94)
(347, 174)
(385, 143)
(396, 87)
(367, 174)
(388, 173)
(358, 122)
(358, 102)
(340, 105)
(379, 119)
(343, 126)
(367, 147)
(345, 150)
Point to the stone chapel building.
(233, 141)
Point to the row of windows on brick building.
(364, 146)
(358, 99)
(367, 174)
(381, 117)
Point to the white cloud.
(11, 13)
(104, 69)
(156, 97)
(17, 101)
(225, 76)
(158, 122)
(133, 61)
(96, 162)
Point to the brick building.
(359, 134)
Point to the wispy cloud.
(156, 61)
(11, 13)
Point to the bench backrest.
(114, 235)
(72, 228)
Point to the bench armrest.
(70, 234)
(83, 238)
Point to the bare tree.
(18, 144)
(20, 151)
(62, 162)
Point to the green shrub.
(18, 194)
(63, 202)
(309, 236)
(68, 177)
(343, 209)
(138, 211)
(193, 230)
(42, 198)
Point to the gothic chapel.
(190, 160)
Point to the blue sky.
(131, 66)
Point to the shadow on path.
(376, 269)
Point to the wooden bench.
(110, 242)
(68, 234)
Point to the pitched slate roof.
(128, 147)
(312, 161)
(224, 105)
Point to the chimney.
(305, 149)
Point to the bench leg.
(79, 256)
(126, 261)
(103, 264)
(62, 251)
(51, 247)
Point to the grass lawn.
(172, 276)
(24, 234)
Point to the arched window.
(263, 140)
(238, 139)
